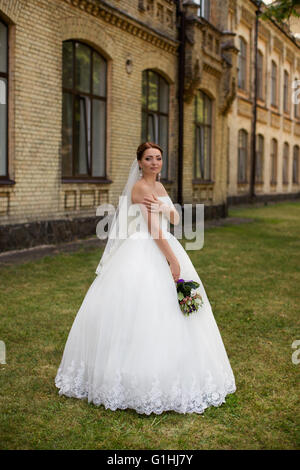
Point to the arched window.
(274, 83)
(274, 153)
(83, 113)
(285, 163)
(296, 99)
(242, 155)
(203, 136)
(3, 100)
(242, 64)
(259, 159)
(286, 92)
(259, 75)
(296, 164)
(155, 113)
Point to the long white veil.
(118, 229)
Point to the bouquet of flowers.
(189, 300)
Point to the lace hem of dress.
(114, 395)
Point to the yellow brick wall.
(271, 123)
(37, 32)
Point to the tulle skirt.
(130, 346)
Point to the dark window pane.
(163, 142)
(207, 110)
(164, 96)
(68, 64)
(274, 83)
(207, 153)
(153, 127)
(99, 75)
(153, 91)
(144, 126)
(81, 131)
(199, 108)
(199, 152)
(3, 47)
(67, 114)
(83, 67)
(3, 126)
(296, 165)
(144, 89)
(99, 138)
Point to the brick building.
(84, 82)
(277, 172)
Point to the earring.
(141, 172)
(159, 175)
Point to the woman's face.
(151, 161)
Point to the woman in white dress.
(130, 346)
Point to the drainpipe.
(253, 153)
(181, 72)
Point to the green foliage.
(281, 10)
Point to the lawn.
(251, 273)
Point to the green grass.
(251, 273)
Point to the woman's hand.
(175, 269)
(152, 203)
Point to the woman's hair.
(146, 145)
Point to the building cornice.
(126, 22)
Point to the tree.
(281, 10)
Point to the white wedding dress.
(130, 346)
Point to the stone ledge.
(52, 232)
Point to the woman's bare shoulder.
(160, 189)
(139, 190)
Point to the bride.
(130, 346)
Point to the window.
(204, 8)
(3, 100)
(297, 97)
(259, 88)
(296, 164)
(259, 159)
(203, 136)
(274, 84)
(242, 64)
(242, 155)
(285, 163)
(83, 112)
(274, 152)
(286, 92)
(155, 113)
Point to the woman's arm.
(155, 205)
(152, 220)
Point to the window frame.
(274, 160)
(146, 111)
(5, 179)
(260, 150)
(77, 93)
(286, 80)
(202, 127)
(274, 84)
(242, 64)
(285, 163)
(242, 134)
(204, 7)
(260, 75)
(296, 153)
